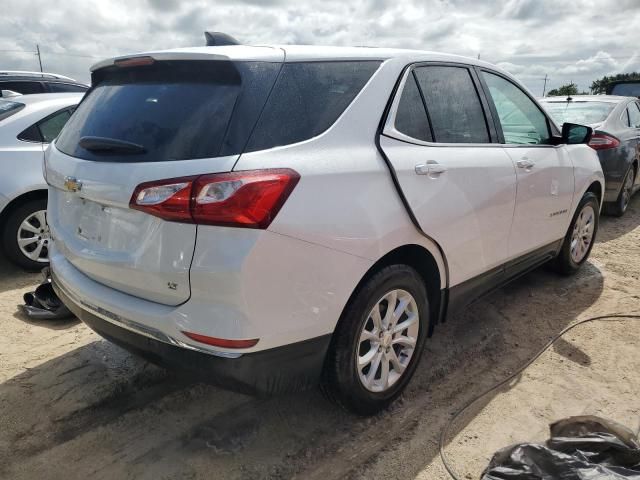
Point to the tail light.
(602, 141)
(249, 199)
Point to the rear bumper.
(283, 369)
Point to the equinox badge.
(72, 184)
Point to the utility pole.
(478, 56)
(544, 89)
(39, 58)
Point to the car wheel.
(620, 206)
(26, 235)
(378, 341)
(580, 237)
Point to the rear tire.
(619, 207)
(24, 222)
(355, 376)
(580, 237)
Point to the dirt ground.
(74, 406)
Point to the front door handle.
(525, 163)
(431, 168)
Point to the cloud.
(530, 38)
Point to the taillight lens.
(242, 199)
(602, 141)
(167, 199)
(249, 199)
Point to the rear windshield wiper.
(110, 145)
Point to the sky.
(578, 41)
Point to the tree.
(600, 86)
(564, 91)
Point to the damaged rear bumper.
(283, 369)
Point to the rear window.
(584, 113)
(175, 110)
(201, 109)
(626, 89)
(307, 99)
(8, 108)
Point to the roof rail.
(23, 73)
(217, 39)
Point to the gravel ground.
(75, 406)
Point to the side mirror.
(572, 133)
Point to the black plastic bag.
(43, 303)
(580, 448)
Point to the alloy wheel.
(582, 235)
(387, 340)
(626, 190)
(34, 237)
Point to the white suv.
(278, 216)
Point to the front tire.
(378, 342)
(580, 237)
(25, 237)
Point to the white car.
(275, 217)
(28, 123)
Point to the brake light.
(249, 199)
(602, 141)
(221, 342)
(134, 61)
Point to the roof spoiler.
(217, 39)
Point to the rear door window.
(24, 87)
(453, 104)
(411, 116)
(8, 108)
(523, 123)
(174, 110)
(66, 87)
(307, 99)
(46, 130)
(634, 115)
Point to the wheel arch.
(20, 200)
(424, 262)
(597, 188)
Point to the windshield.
(8, 108)
(584, 113)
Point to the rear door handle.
(525, 163)
(431, 168)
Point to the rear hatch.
(144, 120)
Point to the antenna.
(39, 57)
(216, 39)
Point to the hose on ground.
(444, 434)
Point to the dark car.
(627, 88)
(37, 82)
(616, 124)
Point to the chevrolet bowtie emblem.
(72, 184)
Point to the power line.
(64, 54)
